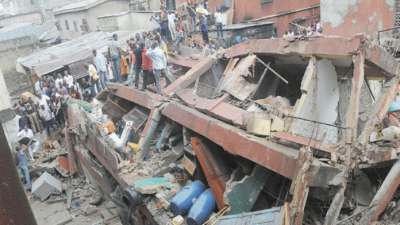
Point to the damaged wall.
(280, 12)
(349, 17)
(320, 104)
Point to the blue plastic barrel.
(201, 209)
(183, 200)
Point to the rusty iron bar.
(14, 206)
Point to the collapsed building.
(281, 131)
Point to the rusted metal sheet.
(379, 109)
(214, 107)
(354, 104)
(190, 77)
(273, 156)
(210, 165)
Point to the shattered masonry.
(292, 116)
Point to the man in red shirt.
(147, 66)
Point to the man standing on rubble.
(115, 56)
(25, 137)
(22, 163)
(69, 79)
(47, 117)
(192, 14)
(204, 28)
(138, 62)
(159, 61)
(219, 22)
(171, 25)
(101, 65)
(146, 66)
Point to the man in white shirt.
(47, 117)
(101, 65)
(44, 100)
(115, 56)
(38, 87)
(59, 82)
(26, 132)
(69, 79)
(171, 25)
(219, 22)
(159, 61)
(26, 136)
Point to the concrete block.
(259, 124)
(46, 185)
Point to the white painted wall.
(130, 21)
(91, 15)
(321, 104)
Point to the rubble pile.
(289, 131)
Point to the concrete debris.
(152, 185)
(259, 124)
(286, 131)
(45, 186)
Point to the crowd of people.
(45, 112)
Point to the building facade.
(346, 18)
(281, 12)
(79, 18)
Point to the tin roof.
(56, 57)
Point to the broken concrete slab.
(259, 124)
(51, 214)
(45, 186)
(190, 77)
(236, 81)
(242, 195)
(319, 103)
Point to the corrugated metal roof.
(56, 57)
(19, 30)
(273, 216)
